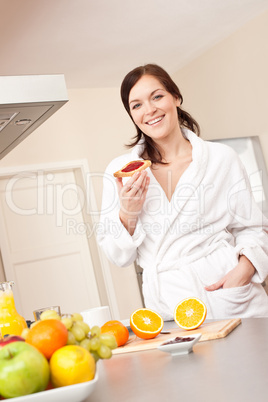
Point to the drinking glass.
(37, 313)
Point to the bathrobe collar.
(192, 176)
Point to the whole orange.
(47, 336)
(118, 329)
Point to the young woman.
(189, 220)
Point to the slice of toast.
(132, 167)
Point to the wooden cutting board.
(209, 331)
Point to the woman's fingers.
(240, 275)
(132, 181)
(145, 186)
(138, 187)
(135, 186)
(133, 193)
(119, 183)
(215, 286)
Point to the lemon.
(70, 365)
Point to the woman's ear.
(178, 102)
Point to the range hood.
(26, 101)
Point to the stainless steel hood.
(26, 101)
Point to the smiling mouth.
(151, 122)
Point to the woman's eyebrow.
(134, 100)
(137, 100)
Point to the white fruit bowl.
(70, 393)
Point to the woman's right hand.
(132, 196)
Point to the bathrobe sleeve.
(247, 223)
(118, 245)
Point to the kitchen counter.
(231, 369)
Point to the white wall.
(226, 88)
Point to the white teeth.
(154, 121)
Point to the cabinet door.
(48, 260)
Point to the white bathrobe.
(196, 238)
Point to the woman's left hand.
(240, 275)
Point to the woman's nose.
(150, 108)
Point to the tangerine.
(47, 336)
(117, 329)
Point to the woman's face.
(153, 109)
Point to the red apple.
(10, 338)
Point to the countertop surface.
(232, 369)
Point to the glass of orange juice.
(11, 322)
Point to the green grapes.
(95, 355)
(95, 331)
(85, 327)
(67, 321)
(86, 344)
(104, 352)
(95, 343)
(108, 340)
(50, 315)
(79, 333)
(71, 339)
(77, 317)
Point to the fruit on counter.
(23, 370)
(42, 335)
(108, 340)
(146, 323)
(50, 315)
(70, 365)
(77, 317)
(78, 332)
(47, 336)
(67, 320)
(117, 329)
(190, 313)
(91, 339)
(77, 328)
(24, 333)
(10, 338)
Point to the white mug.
(96, 316)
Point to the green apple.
(23, 370)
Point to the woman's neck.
(173, 148)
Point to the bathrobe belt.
(151, 273)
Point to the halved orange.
(190, 313)
(146, 323)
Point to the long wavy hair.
(185, 119)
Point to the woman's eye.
(156, 97)
(136, 106)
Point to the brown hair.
(185, 119)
